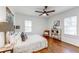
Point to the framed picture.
(17, 27)
(57, 23)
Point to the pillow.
(26, 36)
(15, 38)
(23, 36)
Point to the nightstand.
(46, 34)
(6, 48)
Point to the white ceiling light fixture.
(44, 14)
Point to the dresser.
(56, 33)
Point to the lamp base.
(5, 41)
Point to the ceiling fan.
(45, 12)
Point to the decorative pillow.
(23, 36)
(26, 36)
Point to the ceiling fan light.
(44, 14)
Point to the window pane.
(28, 23)
(28, 26)
(70, 25)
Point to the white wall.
(2, 13)
(39, 24)
(67, 38)
(2, 18)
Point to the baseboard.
(76, 45)
(71, 43)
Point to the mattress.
(33, 43)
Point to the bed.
(32, 44)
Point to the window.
(70, 25)
(28, 26)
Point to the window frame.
(75, 33)
(30, 26)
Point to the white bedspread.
(33, 43)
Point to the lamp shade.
(5, 26)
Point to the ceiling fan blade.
(39, 11)
(50, 11)
(41, 14)
(47, 14)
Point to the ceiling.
(30, 10)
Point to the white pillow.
(15, 38)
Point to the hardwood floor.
(56, 46)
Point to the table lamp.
(5, 27)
